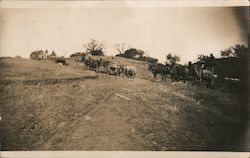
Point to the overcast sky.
(186, 32)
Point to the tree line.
(232, 60)
(94, 47)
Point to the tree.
(133, 54)
(237, 51)
(240, 51)
(202, 57)
(227, 53)
(172, 59)
(120, 47)
(94, 47)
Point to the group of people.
(108, 67)
(199, 72)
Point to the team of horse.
(196, 73)
(107, 67)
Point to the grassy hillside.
(21, 69)
(112, 112)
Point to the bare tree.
(120, 47)
(93, 46)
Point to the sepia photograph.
(117, 76)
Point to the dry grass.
(88, 115)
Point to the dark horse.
(179, 72)
(62, 61)
(161, 69)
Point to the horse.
(201, 75)
(161, 69)
(174, 72)
(93, 64)
(179, 72)
(208, 77)
(62, 61)
(183, 73)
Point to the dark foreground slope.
(113, 113)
